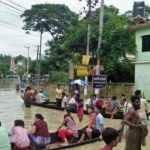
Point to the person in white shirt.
(40, 98)
(72, 103)
(72, 100)
(58, 95)
(143, 111)
(64, 100)
(144, 108)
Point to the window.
(146, 43)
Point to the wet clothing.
(133, 139)
(28, 98)
(19, 136)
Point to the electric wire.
(17, 4)
(6, 4)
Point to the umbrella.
(78, 81)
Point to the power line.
(10, 13)
(17, 4)
(8, 23)
(12, 27)
(12, 10)
(11, 6)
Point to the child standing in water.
(80, 111)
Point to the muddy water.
(11, 108)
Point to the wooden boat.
(53, 105)
(55, 142)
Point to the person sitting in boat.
(119, 109)
(64, 100)
(86, 103)
(107, 105)
(4, 138)
(114, 106)
(40, 98)
(99, 124)
(72, 105)
(19, 136)
(39, 136)
(70, 133)
(91, 124)
(100, 102)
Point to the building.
(142, 60)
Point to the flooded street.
(11, 108)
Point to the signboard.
(84, 70)
(85, 60)
(71, 71)
(99, 81)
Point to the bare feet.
(64, 144)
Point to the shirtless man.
(133, 135)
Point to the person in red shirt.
(39, 136)
(110, 137)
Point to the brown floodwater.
(11, 108)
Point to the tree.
(117, 41)
(52, 18)
(4, 64)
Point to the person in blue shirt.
(99, 124)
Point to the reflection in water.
(11, 108)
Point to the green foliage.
(52, 18)
(4, 64)
(59, 76)
(70, 34)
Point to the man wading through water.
(134, 133)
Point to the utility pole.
(99, 40)
(37, 64)
(40, 49)
(27, 61)
(88, 40)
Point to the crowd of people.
(135, 114)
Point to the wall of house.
(142, 64)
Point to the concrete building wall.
(142, 64)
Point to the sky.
(14, 41)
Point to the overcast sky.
(13, 39)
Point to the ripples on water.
(11, 108)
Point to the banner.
(84, 70)
(99, 81)
(85, 59)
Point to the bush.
(59, 76)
